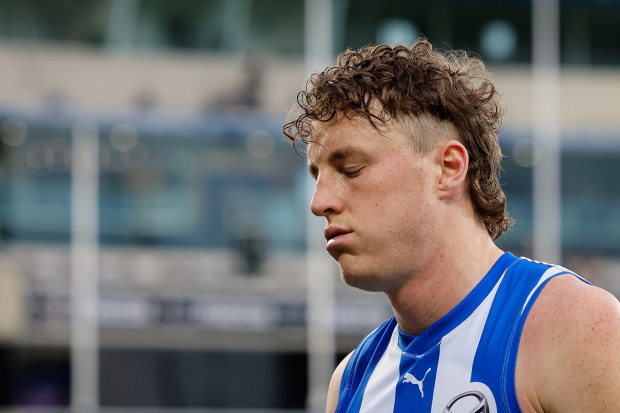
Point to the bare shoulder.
(334, 385)
(569, 354)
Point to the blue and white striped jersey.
(464, 362)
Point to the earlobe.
(453, 161)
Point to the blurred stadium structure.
(202, 204)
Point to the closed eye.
(352, 173)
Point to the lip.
(334, 234)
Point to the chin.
(358, 279)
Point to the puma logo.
(409, 378)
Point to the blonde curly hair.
(383, 83)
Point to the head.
(427, 94)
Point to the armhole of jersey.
(345, 380)
(510, 364)
(348, 373)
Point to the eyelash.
(352, 174)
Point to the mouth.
(333, 234)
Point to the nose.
(326, 199)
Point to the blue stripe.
(519, 280)
(409, 394)
(361, 365)
(508, 380)
(496, 355)
(432, 336)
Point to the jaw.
(363, 273)
(366, 282)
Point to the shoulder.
(334, 385)
(569, 357)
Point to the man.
(403, 145)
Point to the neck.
(446, 280)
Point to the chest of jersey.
(463, 363)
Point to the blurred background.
(154, 127)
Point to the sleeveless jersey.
(463, 363)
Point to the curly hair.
(383, 83)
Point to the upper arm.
(334, 385)
(572, 349)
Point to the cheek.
(410, 208)
(400, 200)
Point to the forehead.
(345, 135)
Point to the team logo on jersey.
(410, 378)
(468, 402)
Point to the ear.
(453, 161)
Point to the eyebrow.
(333, 157)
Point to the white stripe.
(456, 355)
(546, 275)
(380, 393)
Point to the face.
(379, 200)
